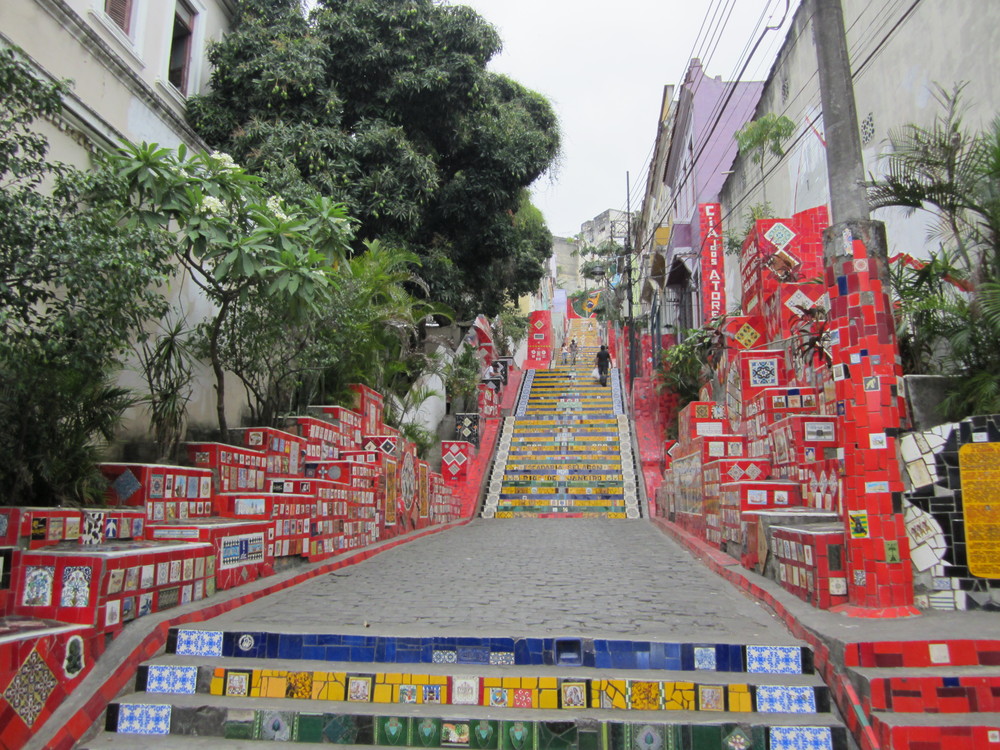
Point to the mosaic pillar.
(455, 458)
(867, 397)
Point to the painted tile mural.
(936, 462)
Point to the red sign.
(713, 279)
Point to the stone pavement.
(524, 577)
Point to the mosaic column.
(867, 397)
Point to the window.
(120, 12)
(180, 47)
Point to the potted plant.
(463, 379)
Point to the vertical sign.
(713, 281)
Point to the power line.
(715, 123)
(855, 73)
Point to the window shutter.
(120, 12)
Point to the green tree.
(239, 246)
(387, 106)
(949, 307)
(75, 284)
(764, 135)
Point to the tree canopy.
(387, 106)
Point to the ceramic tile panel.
(199, 643)
(171, 679)
(704, 657)
(143, 718)
(464, 691)
(38, 582)
(31, 687)
(774, 659)
(784, 699)
(800, 738)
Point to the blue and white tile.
(786, 699)
(704, 658)
(143, 718)
(444, 657)
(774, 660)
(172, 679)
(199, 643)
(801, 738)
(502, 658)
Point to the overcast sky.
(604, 65)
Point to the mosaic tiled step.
(465, 685)
(598, 653)
(535, 458)
(475, 727)
(943, 691)
(937, 731)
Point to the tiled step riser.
(940, 695)
(568, 651)
(487, 733)
(506, 691)
(585, 438)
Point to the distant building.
(609, 225)
(694, 149)
(566, 256)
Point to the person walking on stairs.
(603, 361)
(572, 352)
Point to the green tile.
(238, 730)
(484, 734)
(426, 733)
(556, 735)
(706, 737)
(517, 735)
(392, 731)
(309, 728)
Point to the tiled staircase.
(490, 693)
(567, 452)
(927, 695)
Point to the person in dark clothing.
(603, 364)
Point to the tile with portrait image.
(711, 698)
(359, 688)
(573, 694)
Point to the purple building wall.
(702, 150)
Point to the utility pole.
(864, 368)
(848, 201)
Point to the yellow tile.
(548, 698)
(320, 681)
(529, 683)
(324, 692)
(548, 683)
(394, 678)
(645, 695)
(419, 679)
(380, 678)
(492, 682)
(512, 683)
(273, 687)
(618, 701)
(335, 691)
(382, 694)
(216, 686)
(438, 679)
